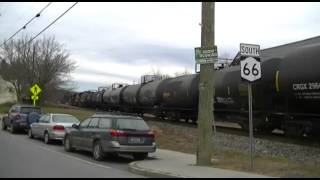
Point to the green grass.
(80, 113)
(4, 108)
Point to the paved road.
(31, 158)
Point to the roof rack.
(117, 113)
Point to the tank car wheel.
(293, 130)
(265, 130)
(244, 126)
(193, 120)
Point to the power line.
(24, 27)
(53, 22)
(48, 26)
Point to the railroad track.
(234, 129)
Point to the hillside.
(7, 92)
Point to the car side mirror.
(75, 126)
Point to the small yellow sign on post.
(35, 90)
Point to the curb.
(135, 168)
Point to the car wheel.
(12, 129)
(67, 144)
(46, 138)
(140, 156)
(98, 154)
(4, 127)
(30, 134)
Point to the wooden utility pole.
(205, 112)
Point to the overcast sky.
(119, 42)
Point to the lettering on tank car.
(166, 95)
(301, 86)
(307, 91)
(224, 100)
(314, 86)
(306, 86)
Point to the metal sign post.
(250, 71)
(250, 123)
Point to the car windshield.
(65, 119)
(132, 124)
(28, 110)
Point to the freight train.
(287, 97)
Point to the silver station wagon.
(52, 126)
(109, 134)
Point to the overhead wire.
(53, 22)
(50, 24)
(25, 26)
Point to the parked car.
(52, 126)
(20, 117)
(107, 134)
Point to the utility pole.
(205, 111)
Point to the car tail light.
(117, 133)
(58, 128)
(151, 134)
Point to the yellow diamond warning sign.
(35, 90)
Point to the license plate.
(136, 140)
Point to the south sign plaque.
(249, 50)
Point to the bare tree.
(157, 72)
(225, 58)
(185, 72)
(44, 62)
(226, 53)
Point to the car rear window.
(132, 124)
(28, 110)
(64, 119)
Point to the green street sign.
(35, 90)
(205, 55)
